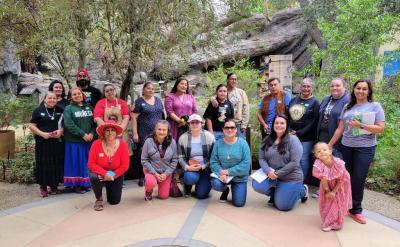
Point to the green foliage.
(358, 28)
(20, 168)
(14, 111)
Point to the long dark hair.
(269, 140)
(175, 88)
(353, 99)
(168, 138)
(145, 85)
(62, 85)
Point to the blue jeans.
(358, 161)
(305, 158)
(202, 181)
(239, 190)
(239, 131)
(218, 135)
(286, 193)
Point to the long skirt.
(49, 157)
(75, 164)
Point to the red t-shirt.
(101, 107)
(99, 161)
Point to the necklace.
(51, 116)
(110, 152)
(228, 157)
(328, 110)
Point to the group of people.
(210, 152)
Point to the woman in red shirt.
(108, 161)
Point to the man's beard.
(83, 83)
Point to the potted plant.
(13, 111)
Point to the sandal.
(98, 205)
(79, 190)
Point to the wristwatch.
(362, 126)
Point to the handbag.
(174, 190)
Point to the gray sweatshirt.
(152, 161)
(286, 166)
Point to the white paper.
(367, 118)
(259, 175)
(228, 179)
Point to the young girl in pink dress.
(334, 189)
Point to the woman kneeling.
(159, 160)
(108, 161)
(279, 157)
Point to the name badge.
(279, 101)
(101, 155)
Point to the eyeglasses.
(110, 130)
(195, 122)
(109, 90)
(230, 127)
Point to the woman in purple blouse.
(179, 104)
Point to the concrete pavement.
(69, 220)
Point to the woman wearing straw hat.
(108, 161)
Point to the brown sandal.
(98, 205)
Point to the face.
(182, 86)
(280, 126)
(274, 87)
(222, 93)
(57, 89)
(50, 100)
(110, 133)
(232, 81)
(195, 125)
(337, 89)
(82, 76)
(306, 89)
(230, 129)
(148, 91)
(109, 92)
(76, 96)
(161, 131)
(361, 91)
(322, 151)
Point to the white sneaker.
(305, 198)
(315, 194)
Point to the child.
(334, 189)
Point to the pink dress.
(333, 211)
(174, 105)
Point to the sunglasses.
(230, 127)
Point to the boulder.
(9, 68)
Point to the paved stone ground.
(69, 220)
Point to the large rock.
(9, 68)
(285, 34)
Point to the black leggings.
(113, 188)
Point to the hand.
(266, 129)
(272, 175)
(107, 177)
(57, 133)
(354, 123)
(292, 132)
(194, 168)
(214, 103)
(46, 135)
(224, 172)
(330, 195)
(88, 137)
(223, 178)
(181, 122)
(136, 137)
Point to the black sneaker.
(271, 200)
(188, 190)
(305, 198)
(224, 195)
(140, 182)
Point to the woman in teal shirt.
(230, 165)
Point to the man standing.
(83, 81)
